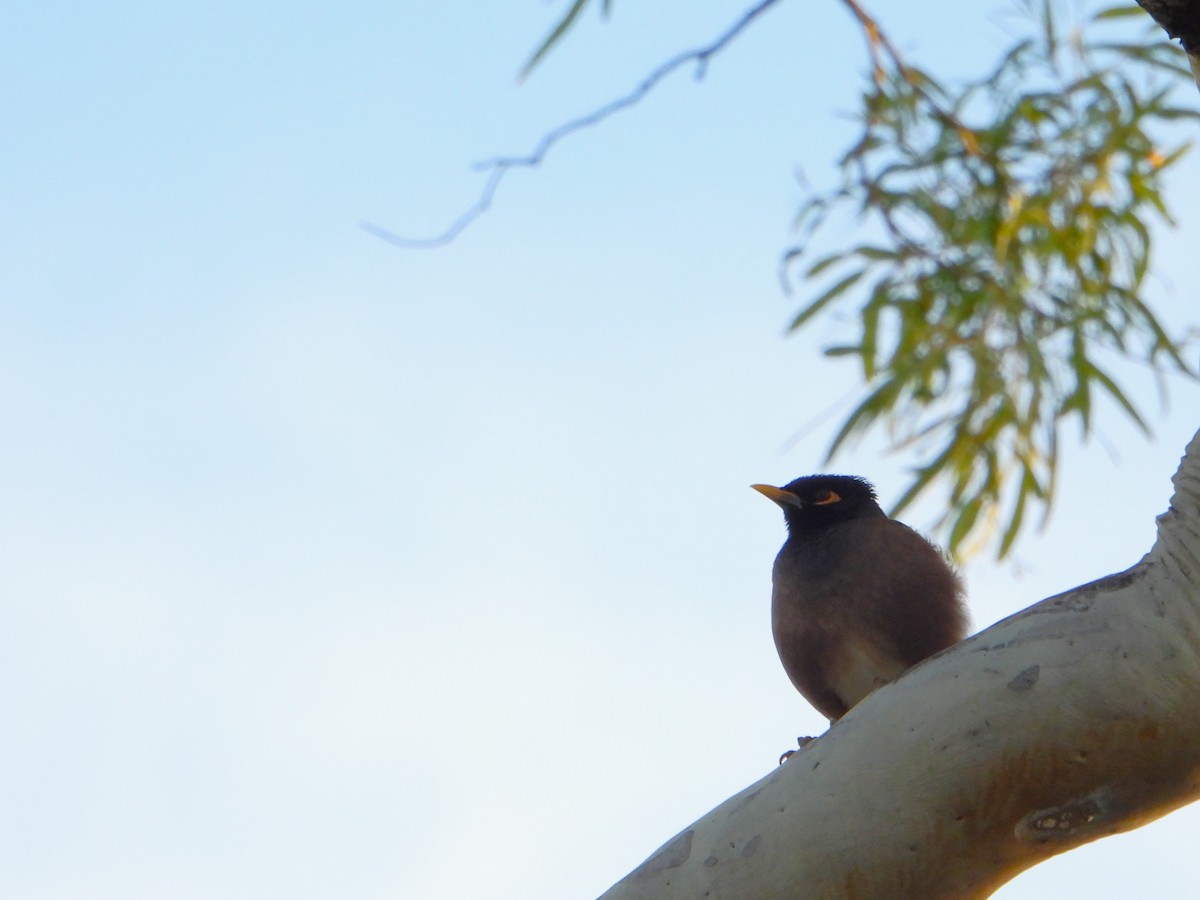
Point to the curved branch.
(1179, 19)
(1064, 723)
(500, 166)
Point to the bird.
(857, 598)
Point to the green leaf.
(875, 404)
(824, 263)
(1118, 12)
(875, 253)
(1027, 487)
(997, 273)
(1117, 394)
(870, 330)
(553, 38)
(826, 298)
(964, 522)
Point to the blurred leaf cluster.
(998, 287)
(1008, 252)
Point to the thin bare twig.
(500, 166)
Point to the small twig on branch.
(500, 166)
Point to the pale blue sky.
(337, 570)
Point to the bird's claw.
(802, 741)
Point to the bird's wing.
(921, 609)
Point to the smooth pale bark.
(1072, 720)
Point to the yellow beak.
(779, 495)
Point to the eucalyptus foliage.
(1008, 265)
(1003, 249)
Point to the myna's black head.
(817, 501)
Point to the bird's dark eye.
(824, 498)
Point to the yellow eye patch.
(824, 498)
